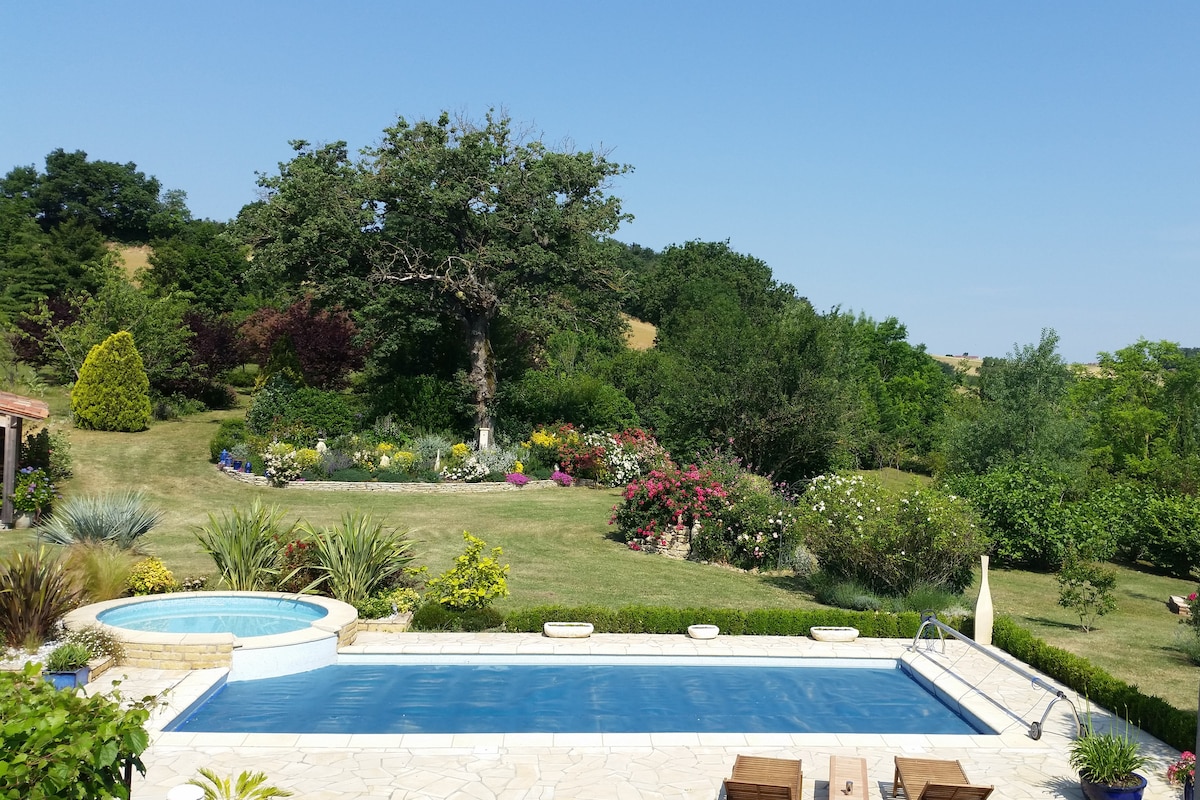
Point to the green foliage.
(1086, 588)
(34, 493)
(1025, 509)
(112, 393)
(48, 451)
(359, 556)
(68, 657)
(65, 745)
(585, 399)
(1108, 758)
(99, 641)
(230, 433)
(36, 592)
(755, 527)
(473, 582)
(759, 622)
(151, 576)
(1142, 408)
(298, 415)
(245, 546)
(247, 786)
(890, 542)
(1153, 714)
(121, 518)
(398, 599)
(1020, 414)
(437, 617)
(100, 569)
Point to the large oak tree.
(488, 223)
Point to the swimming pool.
(603, 695)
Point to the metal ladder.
(930, 620)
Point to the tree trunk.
(482, 375)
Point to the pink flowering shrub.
(561, 478)
(666, 499)
(517, 478)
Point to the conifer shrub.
(112, 393)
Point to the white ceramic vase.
(983, 608)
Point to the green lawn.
(562, 550)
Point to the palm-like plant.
(36, 592)
(248, 786)
(121, 518)
(245, 546)
(359, 556)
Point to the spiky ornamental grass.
(359, 556)
(120, 518)
(245, 546)
(36, 592)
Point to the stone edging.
(385, 486)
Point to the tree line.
(460, 275)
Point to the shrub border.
(1152, 714)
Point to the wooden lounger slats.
(935, 779)
(758, 778)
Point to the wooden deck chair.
(756, 778)
(935, 779)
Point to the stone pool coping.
(620, 766)
(197, 651)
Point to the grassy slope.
(561, 550)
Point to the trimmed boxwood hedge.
(760, 622)
(1152, 714)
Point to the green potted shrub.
(1107, 764)
(67, 665)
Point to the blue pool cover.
(506, 698)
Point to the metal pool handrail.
(1035, 728)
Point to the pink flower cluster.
(1184, 769)
(666, 499)
(517, 478)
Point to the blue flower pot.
(68, 680)
(1100, 791)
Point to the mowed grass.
(558, 541)
(1136, 644)
(562, 550)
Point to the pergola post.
(11, 425)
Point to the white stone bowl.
(567, 630)
(703, 631)
(834, 634)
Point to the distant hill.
(970, 364)
(135, 256)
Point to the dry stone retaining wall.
(401, 488)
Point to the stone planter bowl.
(834, 634)
(567, 630)
(703, 631)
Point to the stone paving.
(630, 766)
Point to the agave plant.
(245, 546)
(248, 786)
(359, 556)
(120, 518)
(36, 592)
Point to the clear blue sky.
(979, 170)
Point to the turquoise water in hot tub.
(241, 616)
(490, 696)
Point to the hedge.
(1152, 714)
(760, 622)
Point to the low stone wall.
(676, 543)
(178, 656)
(400, 488)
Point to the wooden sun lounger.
(847, 778)
(935, 779)
(757, 778)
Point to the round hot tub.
(251, 633)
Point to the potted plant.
(1183, 773)
(1107, 764)
(67, 665)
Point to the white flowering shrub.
(283, 464)
(889, 542)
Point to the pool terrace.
(538, 766)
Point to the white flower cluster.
(282, 465)
(471, 470)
